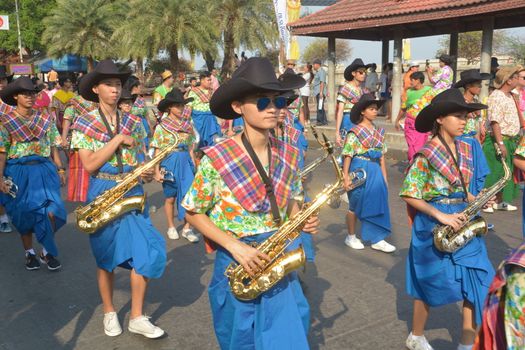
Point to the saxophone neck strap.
(112, 135)
(455, 160)
(266, 180)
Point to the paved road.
(357, 298)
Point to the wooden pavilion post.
(397, 77)
(453, 51)
(331, 78)
(384, 52)
(486, 53)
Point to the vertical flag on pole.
(4, 22)
(282, 21)
(294, 11)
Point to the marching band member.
(365, 148)
(436, 185)
(108, 142)
(27, 140)
(228, 202)
(179, 164)
(5, 227)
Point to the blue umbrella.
(66, 63)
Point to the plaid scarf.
(5, 108)
(26, 131)
(175, 126)
(369, 138)
(186, 112)
(81, 105)
(139, 103)
(295, 104)
(351, 93)
(92, 125)
(203, 96)
(242, 178)
(440, 160)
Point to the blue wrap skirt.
(207, 127)
(183, 169)
(481, 167)
(346, 123)
(374, 216)
(130, 241)
(38, 196)
(439, 278)
(277, 319)
(302, 142)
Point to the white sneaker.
(489, 210)
(353, 242)
(383, 246)
(111, 324)
(505, 207)
(190, 235)
(142, 325)
(418, 343)
(172, 233)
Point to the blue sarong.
(439, 278)
(130, 241)
(183, 169)
(481, 167)
(206, 125)
(277, 319)
(346, 124)
(38, 196)
(302, 142)
(374, 216)
(307, 238)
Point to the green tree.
(31, 13)
(247, 23)
(469, 45)
(318, 48)
(515, 47)
(82, 27)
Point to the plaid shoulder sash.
(139, 102)
(186, 113)
(240, 175)
(81, 106)
(440, 160)
(22, 131)
(351, 93)
(204, 97)
(184, 125)
(91, 125)
(5, 108)
(369, 138)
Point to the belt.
(106, 176)
(449, 201)
(367, 158)
(33, 162)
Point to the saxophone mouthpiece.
(327, 144)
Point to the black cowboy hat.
(358, 63)
(447, 59)
(365, 101)
(254, 75)
(174, 97)
(3, 74)
(16, 86)
(445, 103)
(471, 76)
(104, 70)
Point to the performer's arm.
(58, 162)
(338, 120)
(454, 220)
(3, 158)
(496, 132)
(92, 161)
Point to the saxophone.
(447, 240)
(112, 204)
(246, 287)
(329, 150)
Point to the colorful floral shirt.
(354, 147)
(350, 97)
(520, 150)
(502, 110)
(515, 308)
(442, 79)
(210, 195)
(163, 138)
(159, 93)
(42, 147)
(424, 182)
(80, 140)
(295, 107)
(139, 108)
(197, 103)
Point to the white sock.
(416, 336)
(465, 347)
(4, 219)
(44, 251)
(30, 251)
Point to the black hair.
(193, 79)
(205, 74)
(373, 66)
(418, 76)
(132, 82)
(310, 70)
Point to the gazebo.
(385, 20)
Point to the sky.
(370, 51)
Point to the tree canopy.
(318, 48)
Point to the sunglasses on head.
(263, 102)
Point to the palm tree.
(172, 25)
(82, 27)
(247, 23)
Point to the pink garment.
(415, 140)
(214, 82)
(522, 101)
(42, 100)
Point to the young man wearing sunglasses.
(241, 194)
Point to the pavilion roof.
(376, 19)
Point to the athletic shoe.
(142, 325)
(418, 343)
(190, 235)
(52, 263)
(111, 324)
(32, 262)
(172, 233)
(383, 246)
(5, 227)
(505, 207)
(353, 242)
(490, 227)
(488, 210)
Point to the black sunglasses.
(263, 102)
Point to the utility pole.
(19, 35)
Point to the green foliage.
(31, 12)
(515, 47)
(469, 45)
(318, 48)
